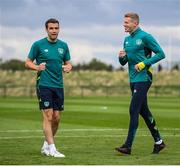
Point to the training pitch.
(90, 129)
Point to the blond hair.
(133, 16)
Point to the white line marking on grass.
(20, 131)
(90, 129)
(88, 136)
(28, 131)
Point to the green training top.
(139, 46)
(54, 54)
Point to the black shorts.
(50, 98)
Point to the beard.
(53, 37)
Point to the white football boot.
(55, 153)
(45, 149)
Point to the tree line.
(94, 64)
(19, 65)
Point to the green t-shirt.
(54, 55)
(139, 47)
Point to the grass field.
(90, 130)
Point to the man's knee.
(48, 114)
(56, 117)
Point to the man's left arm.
(153, 45)
(67, 67)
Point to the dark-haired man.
(52, 58)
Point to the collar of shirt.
(135, 32)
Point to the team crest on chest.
(138, 42)
(60, 50)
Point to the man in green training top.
(137, 52)
(52, 58)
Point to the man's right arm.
(34, 52)
(123, 57)
(30, 65)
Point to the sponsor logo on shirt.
(138, 42)
(45, 50)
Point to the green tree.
(13, 64)
(175, 67)
(94, 64)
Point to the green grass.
(90, 129)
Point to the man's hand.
(140, 66)
(41, 67)
(29, 64)
(122, 53)
(67, 67)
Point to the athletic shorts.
(50, 98)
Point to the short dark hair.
(51, 20)
(132, 15)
